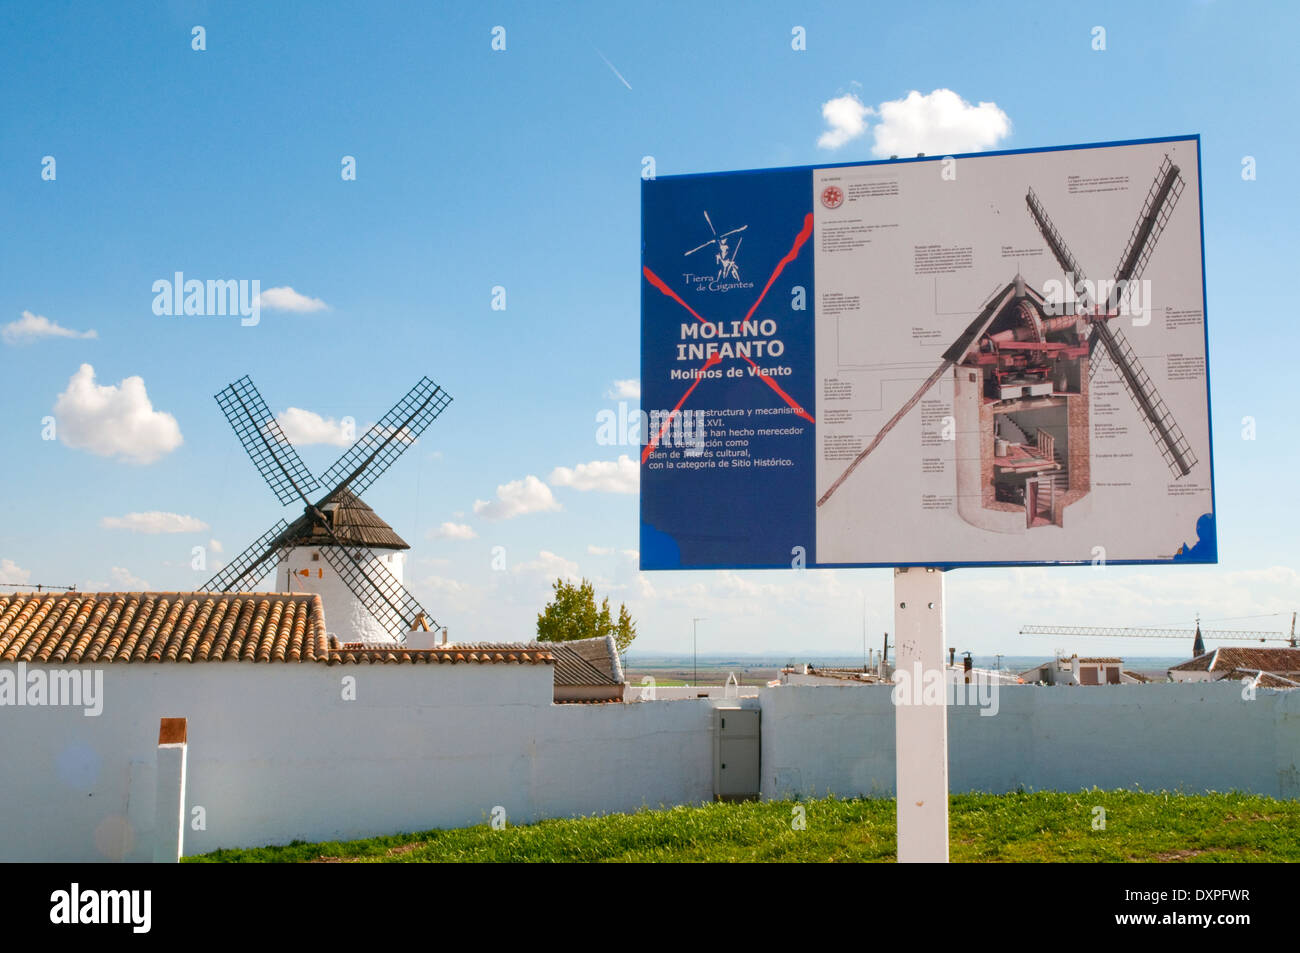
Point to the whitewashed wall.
(840, 739)
(276, 754)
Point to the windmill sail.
(250, 567)
(388, 439)
(1064, 257)
(1168, 436)
(1152, 219)
(264, 441)
(391, 603)
(956, 351)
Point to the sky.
(486, 234)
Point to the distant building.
(1228, 660)
(1081, 671)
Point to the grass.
(1039, 827)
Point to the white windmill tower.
(339, 548)
(302, 568)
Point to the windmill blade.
(710, 221)
(698, 247)
(391, 603)
(736, 251)
(1159, 205)
(264, 441)
(250, 567)
(1064, 257)
(1151, 221)
(733, 231)
(956, 351)
(1164, 430)
(388, 439)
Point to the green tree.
(572, 614)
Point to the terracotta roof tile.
(1228, 657)
(469, 653)
(85, 628)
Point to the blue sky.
(521, 169)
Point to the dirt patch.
(1174, 855)
(404, 849)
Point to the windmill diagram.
(1022, 371)
(339, 547)
(725, 256)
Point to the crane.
(1235, 635)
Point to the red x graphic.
(804, 234)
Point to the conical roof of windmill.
(353, 522)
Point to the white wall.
(1197, 737)
(276, 754)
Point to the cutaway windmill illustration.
(339, 547)
(1022, 371)
(725, 257)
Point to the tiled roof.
(1260, 679)
(1099, 661)
(86, 628)
(521, 653)
(92, 627)
(1228, 657)
(353, 523)
(585, 661)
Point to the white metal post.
(921, 716)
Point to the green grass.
(1045, 826)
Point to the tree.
(572, 614)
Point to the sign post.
(921, 716)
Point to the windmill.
(336, 526)
(1022, 374)
(725, 257)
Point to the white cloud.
(215, 546)
(607, 476)
(32, 326)
(452, 531)
(114, 420)
(846, 117)
(154, 522)
(443, 585)
(125, 581)
(600, 550)
(937, 123)
(551, 566)
(632, 553)
(624, 390)
(529, 495)
(286, 299)
(13, 574)
(941, 123)
(303, 428)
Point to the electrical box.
(735, 754)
